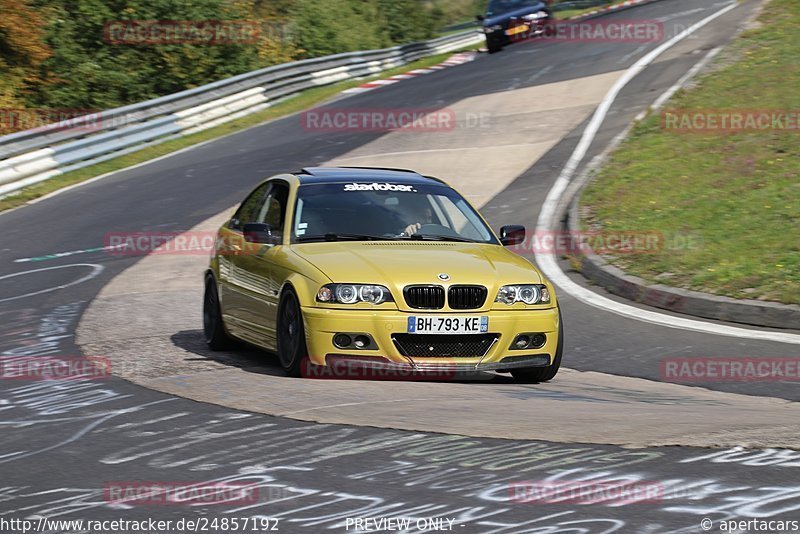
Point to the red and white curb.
(457, 59)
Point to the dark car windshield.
(362, 211)
(498, 7)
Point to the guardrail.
(32, 156)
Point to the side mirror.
(513, 234)
(480, 18)
(260, 233)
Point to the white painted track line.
(548, 218)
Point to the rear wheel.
(291, 334)
(543, 374)
(213, 327)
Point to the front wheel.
(291, 334)
(543, 374)
(213, 327)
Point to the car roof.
(322, 175)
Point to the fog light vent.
(528, 341)
(342, 340)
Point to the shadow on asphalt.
(242, 355)
(258, 361)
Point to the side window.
(248, 211)
(273, 211)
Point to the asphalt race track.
(326, 452)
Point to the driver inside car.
(425, 218)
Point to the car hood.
(397, 264)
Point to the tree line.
(100, 54)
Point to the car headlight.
(535, 16)
(491, 29)
(353, 293)
(527, 293)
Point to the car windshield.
(366, 211)
(498, 7)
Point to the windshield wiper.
(331, 236)
(433, 237)
(341, 237)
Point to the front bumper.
(497, 38)
(322, 324)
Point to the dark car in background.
(506, 21)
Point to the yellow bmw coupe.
(379, 267)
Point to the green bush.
(54, 54)
(92, 73)
(330, 26)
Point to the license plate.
(453, 324)
(522, 28)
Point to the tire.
(291, 334)
(543, 374)
(213, 325)
(493, 49)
